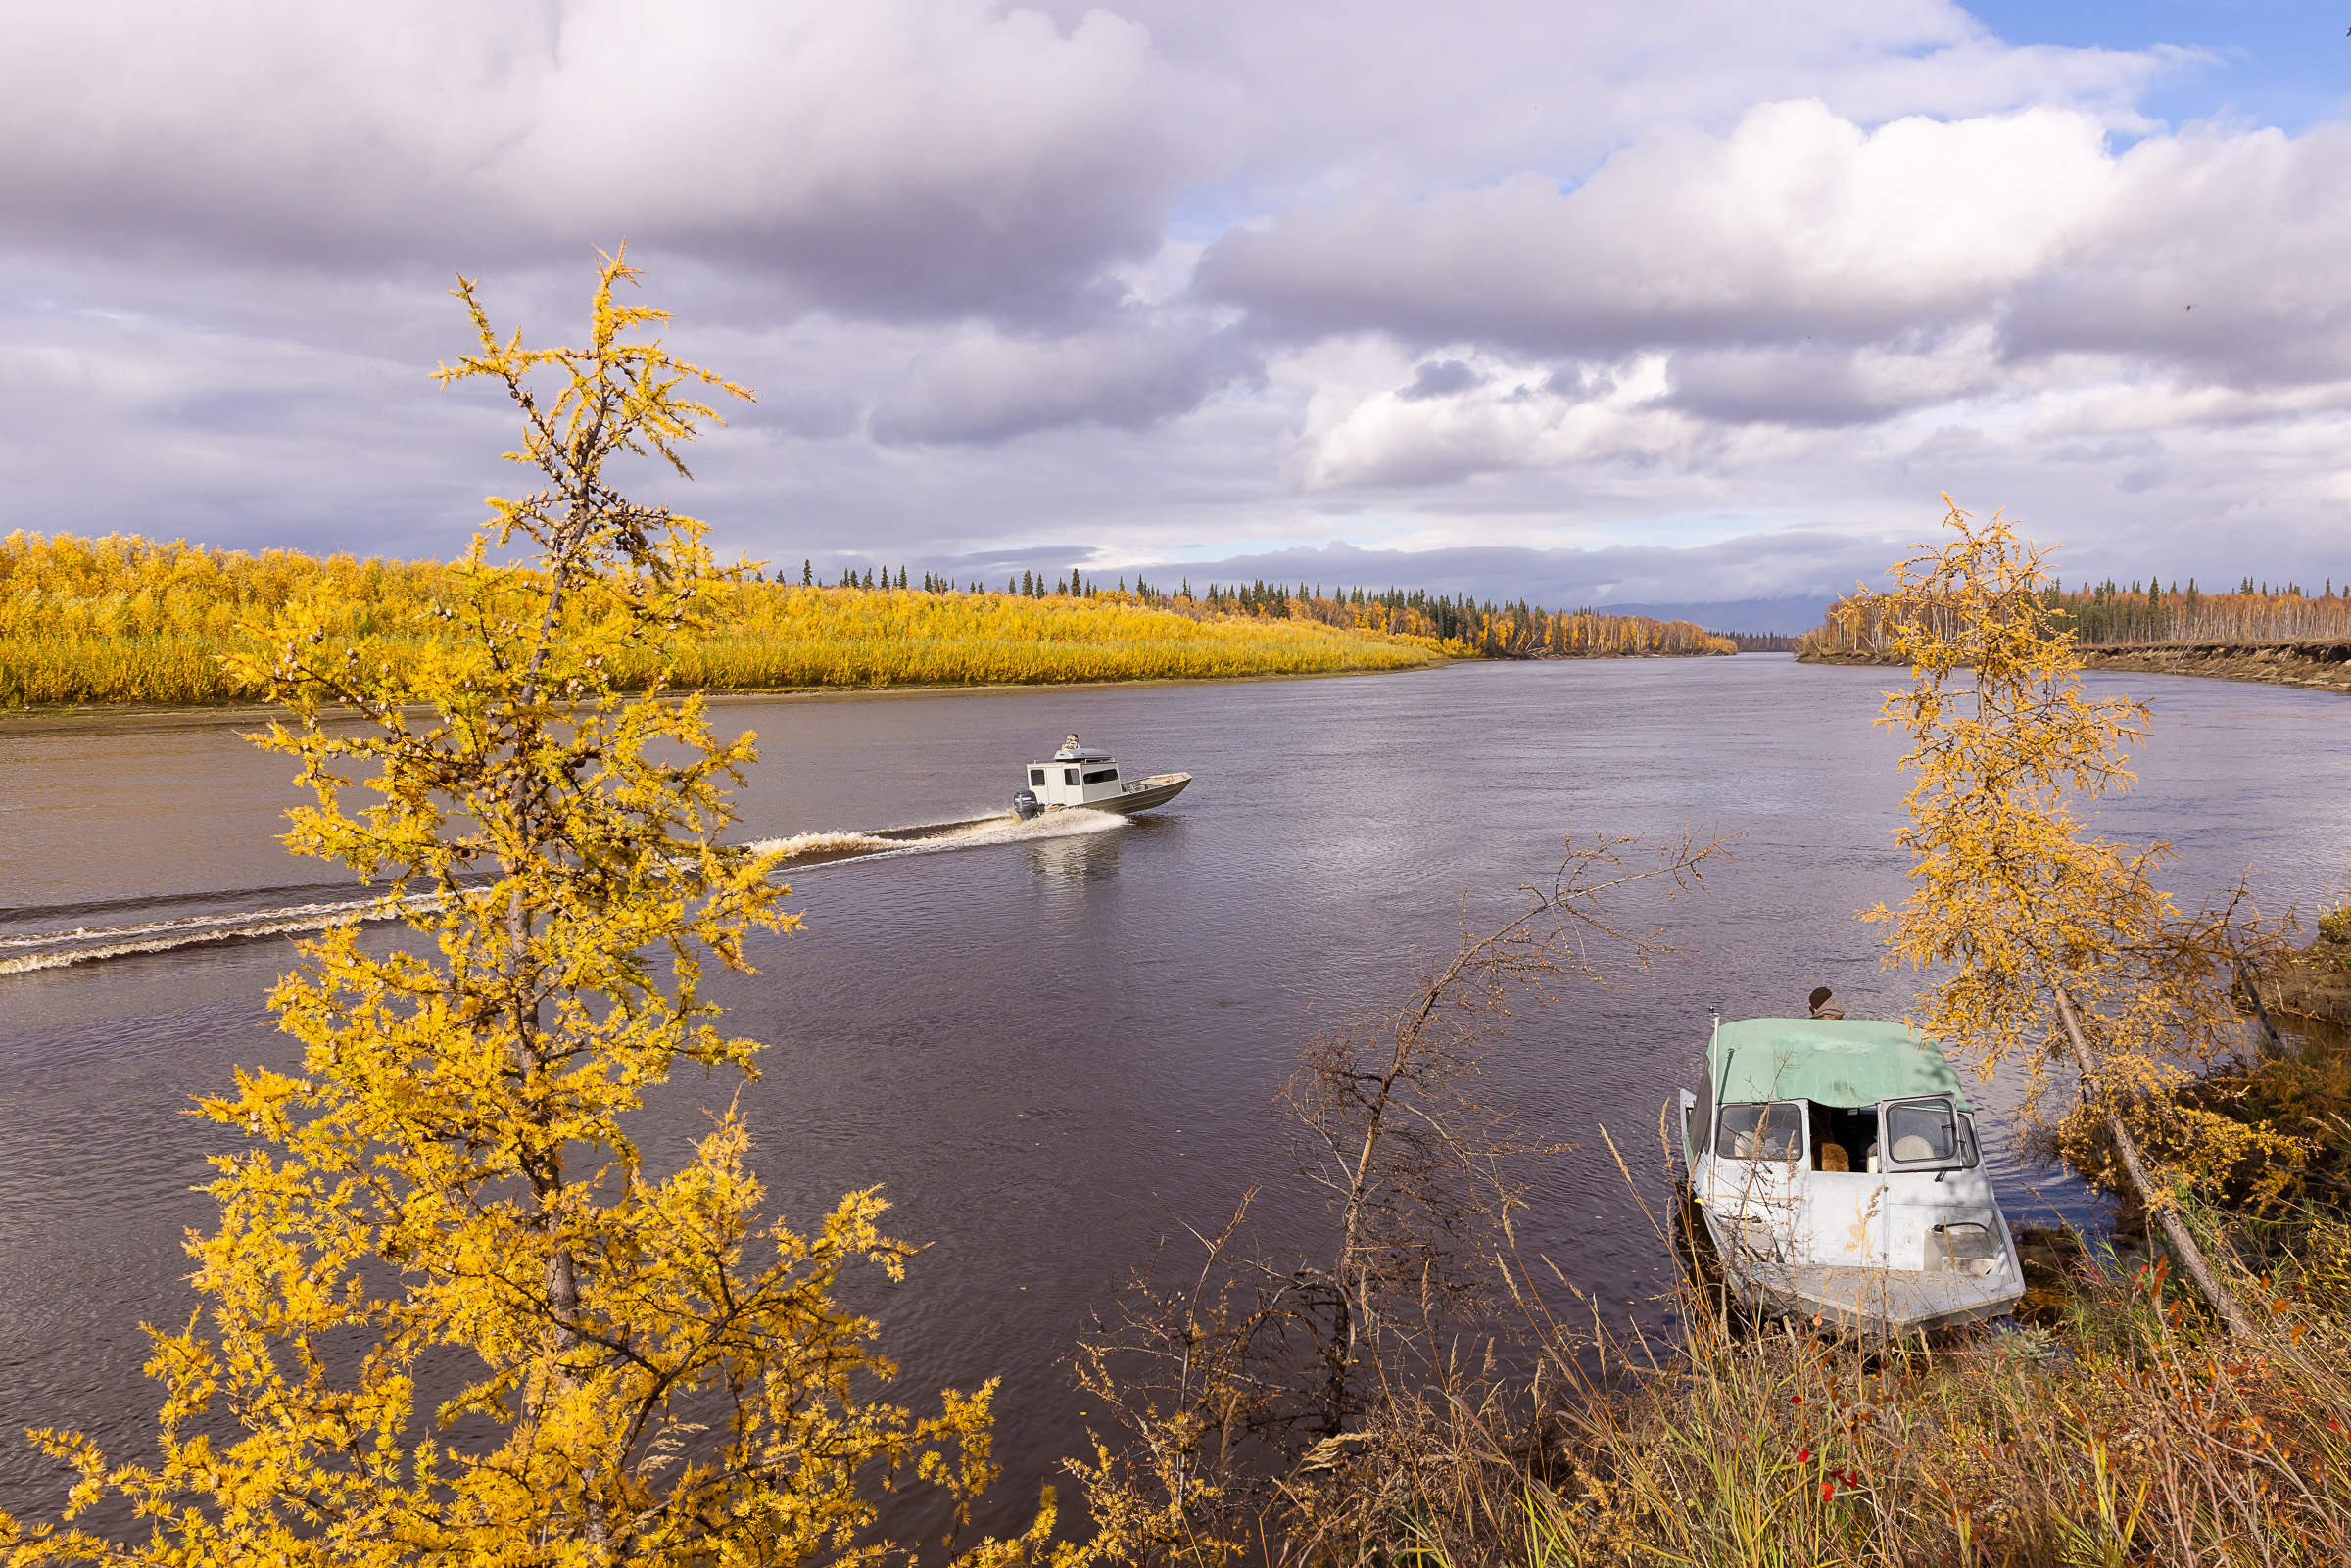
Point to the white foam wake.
(163, 935)
(800, 845)
(85, 945)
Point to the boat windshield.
(1919, 1131)
(1761, 1132)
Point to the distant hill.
(1786, 617)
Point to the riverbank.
(2112, 1421)
(2319, 665)
(2314, 982)
(2119, 1424)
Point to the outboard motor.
(1026, 806)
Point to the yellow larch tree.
(448, 1316)
(2049, 943)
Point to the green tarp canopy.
(1839, 1061)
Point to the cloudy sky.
(1643, 301)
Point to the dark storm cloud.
(1824, 387)
(895, 158)
(985, 387)
(1440, 378)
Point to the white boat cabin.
(1838, 1168)
(1077, 775)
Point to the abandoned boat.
(1082, 778)
(1836, 1169)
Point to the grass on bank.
(125, 620)
(2125, 1431)
(2119, 1426)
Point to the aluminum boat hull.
(1874, 1305)
(1140, 795)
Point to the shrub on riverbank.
(122, 619)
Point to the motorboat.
(1836, 1165)
(1082, 778)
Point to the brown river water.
(1054, 1047)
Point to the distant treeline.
(1461, 625)
(2110, 614)
(125, 619)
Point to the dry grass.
(2131, 1435)
(2121, 1428)
(2112, 1423)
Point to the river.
(1054, 1052)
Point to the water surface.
(1051, 1052)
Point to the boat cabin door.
(1923, 1132)
(1756, 1176)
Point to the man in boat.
(1833, 1155)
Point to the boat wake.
(975, 833)
(49, 950)
(25, 952)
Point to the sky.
(1677, 302)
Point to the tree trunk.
(2244, 978)
(2175, 1234)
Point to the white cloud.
(1502, 418)
(1797, 222)
(1805, 272)
(1688, 272)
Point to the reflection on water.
(1054, 1050)
(1079, 858)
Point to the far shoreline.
(83, 718)
(2321, 664)
(79, 717)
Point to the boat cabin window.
(1102, 776)
(1069, 776)
(1037, 775)
(1920, 1134)
(1761, 1132)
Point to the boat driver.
(1825, 1005)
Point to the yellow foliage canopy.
(442, 1203)
(2012, 895)
(124, 619)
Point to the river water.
(1056, 1051)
